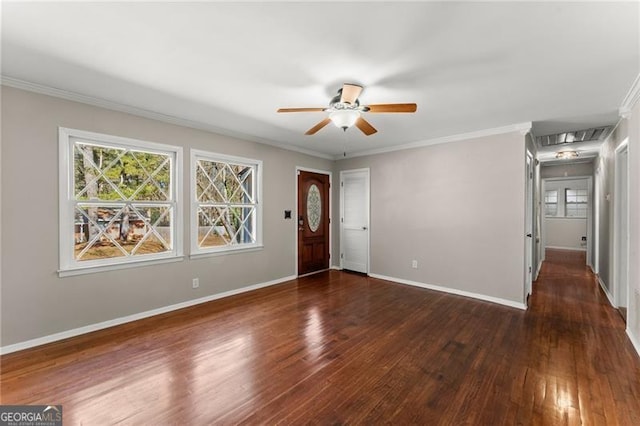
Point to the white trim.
(322, 172)
(631, 99)
(140, 112)
(618, 262)
(116, 266)
(606, 292)
(566, 248)
(68, 266)
(529, 226)
(520, 127)
(134, 317)
(457, 292)
(335, 268)
(635, 342)
(229, 251)
(256, 165)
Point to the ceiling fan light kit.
(345, 111)
(344, 118)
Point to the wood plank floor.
(340, 348)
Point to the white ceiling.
(228, 66)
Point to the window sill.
(565, 217)
(70, 272)
(227, 252)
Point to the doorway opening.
(621, 230)
(567, 214)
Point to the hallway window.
(551, 203)
(576, 202)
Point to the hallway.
(581, 357)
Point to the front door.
(313, 222)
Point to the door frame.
(342, 172)
(295, 222)
(619, 263)
(590, 213)
(529, 227)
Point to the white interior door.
(529, 228)
(354, 220)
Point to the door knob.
(364, 228)
(529, 235)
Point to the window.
(226, 213)
(576, 202)
(118, 201)
(551, 203)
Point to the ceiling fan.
(345, 110)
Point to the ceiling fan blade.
(350, 93)
(300, 109)
(392, 108)
(365, 126)
(318, 126)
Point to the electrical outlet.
(195, 283)
(414, 264)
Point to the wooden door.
(313, 222)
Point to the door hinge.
(531, 175)
(341, 255)
(341, 183)
(529, 269)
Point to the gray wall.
(457, 208)
(633, 131)
(567, 170)
(36, 303)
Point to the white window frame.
(546, 202)
(67, 203)
(576, 203)
(196, 251)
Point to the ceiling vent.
(590, 135)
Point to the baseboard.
(457, 292)
(606, 292)
(129, 318)
(566, 248)
(634, 341)
(336, 268)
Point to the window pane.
(212, 231)
(218, 182)
(113, 173)
(103, 232)
(551, 196)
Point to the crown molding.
(140, 112)
(522, 128)
(631, 99)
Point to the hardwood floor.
(338, 348)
